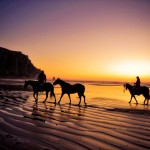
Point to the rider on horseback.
(41, 78)
(137, 84)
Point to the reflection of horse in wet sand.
(47, 87)
(143, 90)
(70, 89)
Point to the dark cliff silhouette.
(14, 64)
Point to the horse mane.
(127, 84)
(62, 81)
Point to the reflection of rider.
(137, 83)
(41, 78)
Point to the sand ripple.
(27, 125)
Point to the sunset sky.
(80, 39)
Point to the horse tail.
(148, 93)
(83, 88)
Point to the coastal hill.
(14, 64)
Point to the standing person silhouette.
(41, 78)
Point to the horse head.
(57, 81)
(125, 86)
(128, 86)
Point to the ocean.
(98, 93)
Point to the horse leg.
(135, 99)
(46, 97)
(53, 94)
(147, 101)
(36, 98)
(60, 98)
(69, 98)
(144, 101)
(130, 99)
(34, 93)
(84, 99)
(79, 99)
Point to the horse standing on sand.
(143, 90)
(70, 89)
(47, 87)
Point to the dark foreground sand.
(25, 125)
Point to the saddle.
(40, 87)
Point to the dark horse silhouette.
(143, 90)
(48, 87)
(70, 89)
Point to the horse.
(48, 87)
(70, 89)
(142, 90)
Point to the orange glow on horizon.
(81, 40)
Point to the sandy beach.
(108, 122)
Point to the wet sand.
(105, 124)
